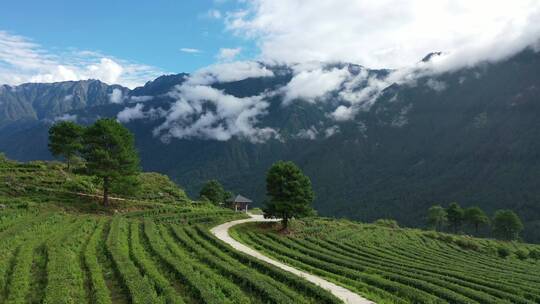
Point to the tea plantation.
(57, 245)
(394, 265)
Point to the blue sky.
(149, 32)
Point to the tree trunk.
(476, 228)
(285, 222)
(106, 191)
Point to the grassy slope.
(402, 265)
(60, 246)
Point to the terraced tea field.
(162, 255)
(59, 245)
(401, 265)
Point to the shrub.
(25, 205)
(389, 223)
(76, 185)
(503, 252)
(446, 238)
(535, 254)
(522, 254)
(467, 244)
(431, 234)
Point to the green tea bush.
(79, 185)
(522, 254)
(534, 254)
(467, 244)
(503, 252)
(388, 223)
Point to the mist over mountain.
(376, 143)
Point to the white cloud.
(387, 33)
(22, 60)
(66, 117)
(436, 85)
(331, 131)
(214, 14)
(343, 113)
(313, 84)
(116, 96)
(190, 50)
(228, 54)
(128, 114)
(228, 72)
(310, 133)
(68, 97)
(205, 112)
(142, 98)
(106, 70)
(361, 91)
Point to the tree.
(65, 140)
(476, 217)
(437, 217)
(109, 151)
(507, 225)
(289, 191)
(455, 216)
(214, 192)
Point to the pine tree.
(455, 216)
(476, 217)
(109, 151)
(289, 191)
(437, 217)
(507, 225)
(65, 140)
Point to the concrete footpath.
(222, 233)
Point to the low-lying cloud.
(228, 72)
(116, 96)
(131, 113)
(313, 84)
(201, 111)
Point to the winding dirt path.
(222, 233)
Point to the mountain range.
(375, 146)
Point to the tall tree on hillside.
(507, 225)
(214, 192)
(437, 217)
(65, 140)
(455, 216)
(475, 217)
(109, 150)
(289, 191)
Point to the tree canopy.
(475, 217)
(109, 151)
(437, 217)
(289, 191)
(65, 140)
(507, 225)
(455, 216)
(214, 192)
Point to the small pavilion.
(240, 203)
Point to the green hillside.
(394, 265)
(57, 245)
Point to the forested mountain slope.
(468, 135)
